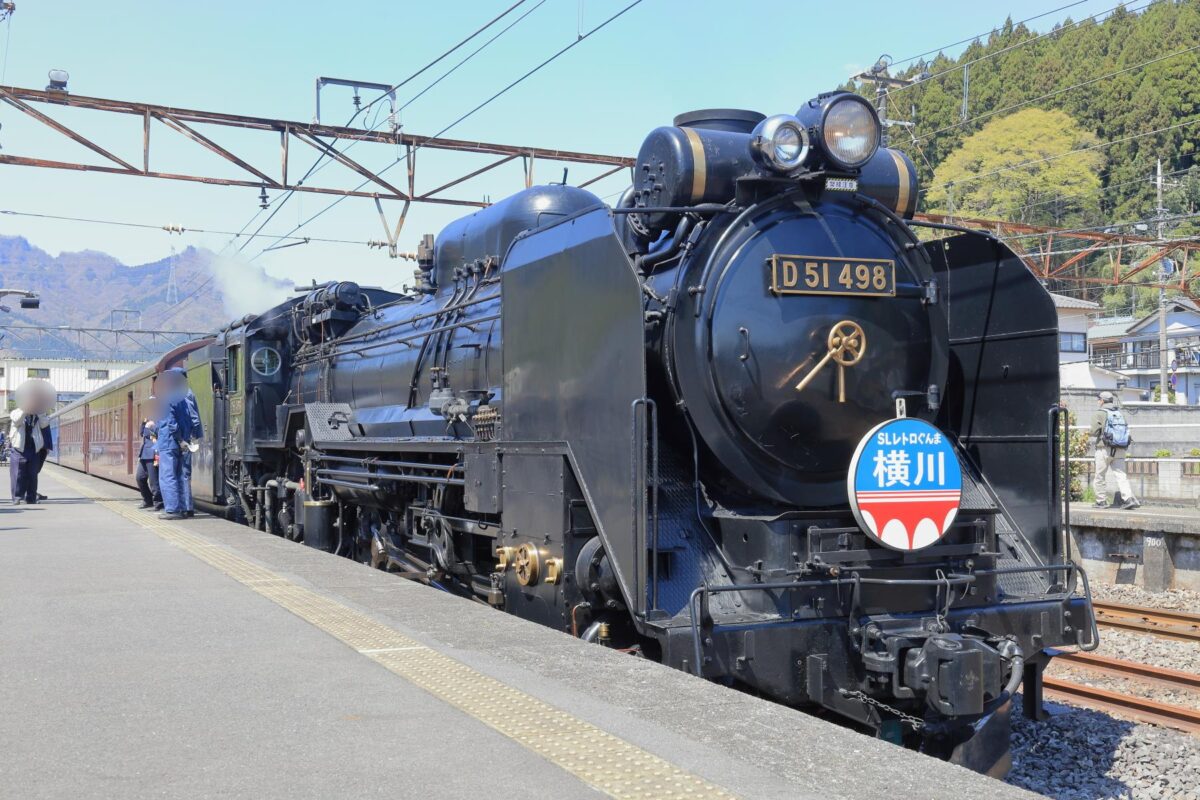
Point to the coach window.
(37, 372)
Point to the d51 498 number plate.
(874, 277)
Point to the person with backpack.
(1111, 432)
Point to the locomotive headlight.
(781, 143)
(850, 131)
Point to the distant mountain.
(83, 289)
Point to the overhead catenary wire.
(282, 199)
(171, 229)
(970, 39)
(1057, 92)
(1023, 43)
(582, 38)
(442, 77)
(1098, 191)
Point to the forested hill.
(1132, 79)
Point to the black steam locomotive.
(635, 424)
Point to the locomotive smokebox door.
(574, 370)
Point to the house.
(1134, 352)
(1072, 327)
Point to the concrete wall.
(1154, 426)
(1159, 481)
(1120, 556)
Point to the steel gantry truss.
(1128, 256)
(1060, 254)
(109, 344)
(319, 137)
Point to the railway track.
(1178, 625)
(1138, 708)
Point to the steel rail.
(1178, 625)
(1120, 668)
(1138, 708)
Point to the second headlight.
(781, 143)
(850, 131)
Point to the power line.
(1098, 191)
(510, 86)
(175, 229)
(413, 99)
(987, 33)
(1074, 151)
(321, 157)
(1056, 92)
(1022, 43)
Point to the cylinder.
(318, 524)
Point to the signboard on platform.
(905, 484)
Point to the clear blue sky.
(261, 58)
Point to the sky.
(659, 59)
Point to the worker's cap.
(1107, 397)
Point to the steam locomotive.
(637, 424)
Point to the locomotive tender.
(635, 424)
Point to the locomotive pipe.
(349, 473)
(651, 260)
(401, 464)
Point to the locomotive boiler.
(639, 424)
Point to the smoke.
(246, 288)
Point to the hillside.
(82, 290)
(1118, 79)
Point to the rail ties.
(1179, 625)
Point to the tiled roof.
(1062, 301)
(1109, 327)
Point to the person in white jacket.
(31, 439)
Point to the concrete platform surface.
(1156, 519)
(140, 658)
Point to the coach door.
(129, 433)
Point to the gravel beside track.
(1079, 754)
(1188, 698)
(1129, 594)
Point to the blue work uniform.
(173, 430)
(147, 473)
(197, 432)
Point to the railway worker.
(1111, 432)
(174, 431)
(147, 473)
(30, 438)
(189, 445)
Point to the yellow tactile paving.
(605, 762)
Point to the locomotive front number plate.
(875, 277)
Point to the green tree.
(1017, 168)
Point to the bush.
(1162, 453)
(1195, 451)
(1079, 447)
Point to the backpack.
(1116, 429)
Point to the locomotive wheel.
(527, 565)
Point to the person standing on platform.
(174, 431)
(1111, 432)
(147, 473)
(189, 444)
(30, 437)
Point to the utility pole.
(172, 285)
(878, 75)
(1160, 212)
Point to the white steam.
(246, 288)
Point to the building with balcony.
(1132, 349)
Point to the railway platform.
(1157, 547)
(144, 658)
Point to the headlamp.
(781, 143)
(850, 131)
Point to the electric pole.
(879, 77)
(1159, 212)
